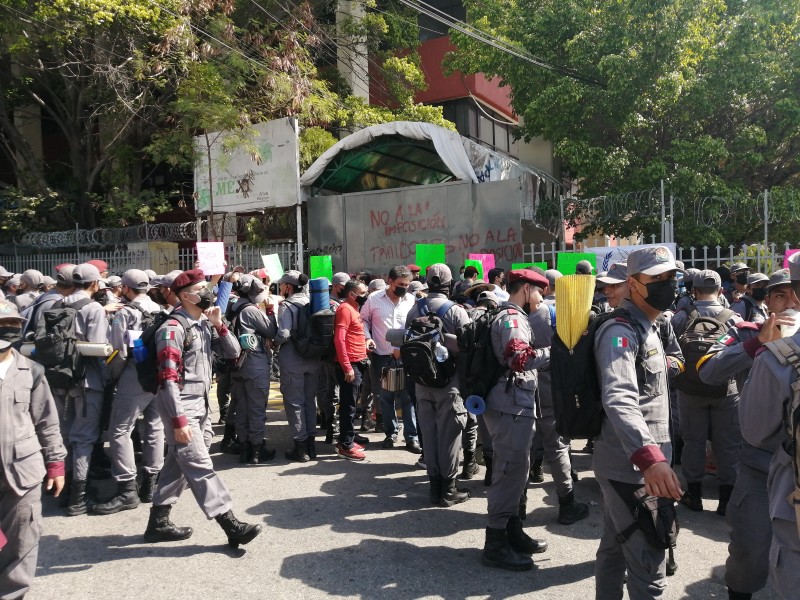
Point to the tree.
(700, 93)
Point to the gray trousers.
(299, 389)
(511, 452)
(469, 437)
(84, 428)
(747, 567)
(486, 439)
(250, 387)
(556, 448)
(646, 566)
(128, 405)
(328, 390)
(698, 415)
(189, 465)
(21, 523)
(442, 417)
(784, 558)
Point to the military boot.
(149, 482)
(77, 498)
(246, 455)
(311, 447)
(487, 477)
(451, 494)
(520, 541)
(739, 595)
(693, 498)
(263, 454)
(571, 511)
(126, 498)
(725, 492)
(228, 438)
(435, 494)
(299, 453)
(237, 531)
(522, 508)
(497, 552)
(470, 468)
(161, 529)
(536, 474)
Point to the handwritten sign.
(272, 266)
(429, 254)
(321, 266)
(786, 257)
(211, 258)
(487, 260)
(475, 263)
(567, 261)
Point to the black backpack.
(148, 318)
(577, 397)
(422, 339)
(55, 342)
(313, 334)
(701, 333)
(147, 369)
(477, 366)
(229, 365)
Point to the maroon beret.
(528, 276)
(100, 264)
(186, 279)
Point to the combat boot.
(520, 541)
(149, 481)
(237, 531)
(487, 477)
(451, 494)
(126, 498)
(246, 455)
(435, 494)
(299, 453)
(228, 438)
(693, 498)
(66, 492)
(571, 511)
(161, 529)
(497, 552)
(77, 498)
(470, 468)
(536, 474)
(522, 509)
(263, 454)
(739, 595)
(311, 447)
(725, 492)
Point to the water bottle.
(475, 405)
(440, 352)
(140, 352)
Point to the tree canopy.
(704, 94)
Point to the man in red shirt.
(351, 362)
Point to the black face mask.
(400, 291)
(759, 294)
(741, 279)
(205, 299)
(9, 336)
(101, 298)
(158, 297)
(660, 294)
(360, 300)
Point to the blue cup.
(475, 405)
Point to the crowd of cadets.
(648, 425)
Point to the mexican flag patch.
(511, 324)
(726, 340)
(168, 334)
(620, 342)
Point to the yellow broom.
(573, 305)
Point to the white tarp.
(609, 255)
(243, 182)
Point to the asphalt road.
(333, 528)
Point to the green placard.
(475, 263)
(567, 261)
(541, 265)
(321, 266)
(429, 254)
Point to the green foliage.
(122, 209)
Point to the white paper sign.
(609, 255)
(211, 257)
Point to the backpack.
(148, 318)
(229, 365)
(701, 333)
(55, 342)
(477, 366)
(313, 334)
(147, 368)
(788, 353)
(577, 397)
(424, 338)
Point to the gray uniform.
(25, 299)
(84, 402)
(184, 370)
(30, 447)
(441, 413)
(299, 375)
(698, 414)
(635, 434)
(131, 400)
(745, 304)
(250, 383)
(762, 403)
(747, 513)
(509, 415)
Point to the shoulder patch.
(726, 340)
(748, 325)
(512, 311)
(510, 323)
(169, 333)
(621, 320)
(620, 342)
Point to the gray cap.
(150, 274)
(64, 275)
(32, 278)
(739, 266)
(375, 285)
(707, 279)
(651, 261)
(113, 281)
(486, 297)
(251, 286)
(14, 280)
(794, 266)
(48, 280)
(598, 282)
(680, 264)
(291, 277)
(4, 273)
(779, 277)
(136, 280)
(340, 278)
(552, 275)
(618, 273)
(584, 267)
(416, 286)
(756, 278)
(168, 279)
(85, 273)
(438, 276)
(9, 310)
(691, 272)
